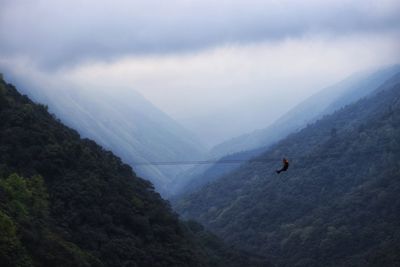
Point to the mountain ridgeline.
(322, 103)
(65, 201)
(250, 145)
(337, 205)
(124, 122)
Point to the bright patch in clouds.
(237, 73)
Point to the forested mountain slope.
(65, 201)
(338, 205)
(124, 122)
(250, 145)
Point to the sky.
(220, 68)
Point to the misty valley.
(66, 201)
(189, 133)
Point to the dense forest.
(65, 201)
(337, 205)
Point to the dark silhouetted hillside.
(338, 205)
(65, 201)
(124, 122)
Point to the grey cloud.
(55, 34)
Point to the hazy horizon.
(220, 69)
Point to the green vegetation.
(26, 238)
(65, 201)
(338, 205)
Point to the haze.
(219, 68)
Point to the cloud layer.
(58, 33)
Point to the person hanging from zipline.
(284, 167)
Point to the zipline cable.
(257, 159)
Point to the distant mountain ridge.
(337, 205)
(247, 146)
(310, 110)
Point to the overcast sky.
(221, 68)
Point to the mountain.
(126, 123)
(338, 203)
(324, 102)
(65, 201)
(247, 146)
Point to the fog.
(221, 69)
